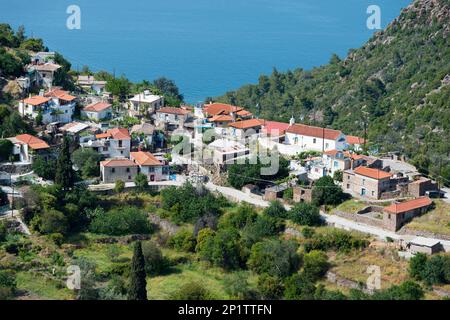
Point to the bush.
(121, 221)
(191, 291)
(237, 286)
(86, 159)
(270, 287)
(44, 168)
(245, 214)
(299, 287)
(155, 263)
(6, 149)
(141, 182)
(325, 191)
(408, 290)
(223, 248)
(264, 226)
(119, 186)
(339, 240)
(315, 264)
(57, 238)
(305, 214)
(53, 221)
(274, 257)
(7, 284)
(276, 209)
(417, 266)
(183, 240)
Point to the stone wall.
(422, 233)
(359, 218)
(346, 283)
(16, 169)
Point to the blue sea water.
(207, 46)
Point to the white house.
(245, 128)
(145, 104)
(114, 143)
(227, 151)
(97, 111)
(55, 106)
(309, 138)
(26, 147)
(149, 165)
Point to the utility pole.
(11, 184)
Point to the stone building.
(367, 182)
(118, 169)
(418, 187)
(397, 214)
(302, 194)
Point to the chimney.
(292, 121)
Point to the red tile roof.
(311, 131)
(116, 133)
(36, 100)
(145, 158)
(33, 142)
(244, 113)
(355, 140)
(332, 153)
(354, 156)
(406, 206)
(221, 118)
(60, 94)
(97, 107)
(275, 127)
(118, 163)
(246, 124)
(173, 110)
(220, 108)
(372, 173)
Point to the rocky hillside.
(397, 83)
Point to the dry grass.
(351, 206)
(435, 221)
(353, 265)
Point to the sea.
(208, 47)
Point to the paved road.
(338, 222)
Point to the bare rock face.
(13, 88)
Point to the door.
(363, 192)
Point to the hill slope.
(398, 83)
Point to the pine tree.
(138, 282)
(65, 175)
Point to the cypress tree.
(138, 282)
(65, 175)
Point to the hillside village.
(84, 160)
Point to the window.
(373, 193)
(295, 140)
(336, 164)
(314, 140)
(129, 177)
(327, 145)
(151, 169)
(105, 148)
(120, 143)
(113, 170)
(128, 169)
(363, 181)
(348, 186)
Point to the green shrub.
(183, 240)
(121, 221)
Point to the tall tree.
(138, 282)
(65, 175)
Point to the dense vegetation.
(397, 83)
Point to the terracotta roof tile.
(118, 163)
(354, 140)
(246, 124)
(60, 94)
(173, 110)
(36, 100)
(372, 173)
(311, 131)
(145, 158)
(33, 142)
(406, 206)
(220, 108)
(97, 107)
